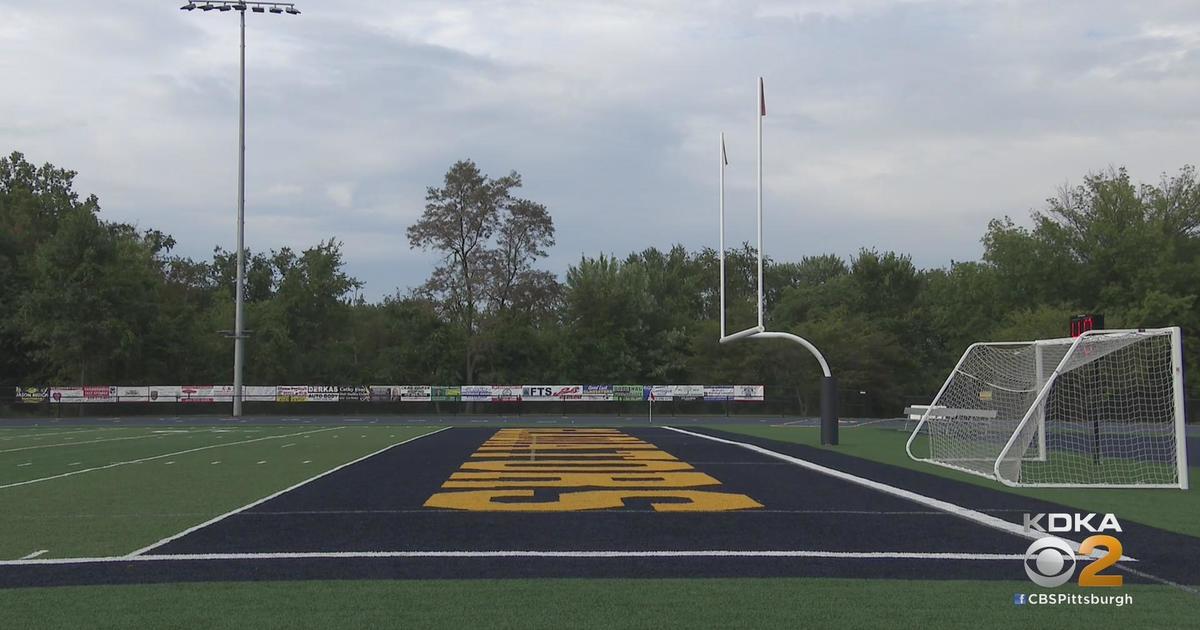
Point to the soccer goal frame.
(1006, 465)
(829, 420)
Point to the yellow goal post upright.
(829, 393)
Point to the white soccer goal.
(1104, 409)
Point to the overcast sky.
(896, 125)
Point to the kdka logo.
(1063, 522)
(1050, 561)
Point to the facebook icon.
(1019, 599)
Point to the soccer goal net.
(1104, 409)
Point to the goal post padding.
(1104, 409)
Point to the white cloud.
(904, 125)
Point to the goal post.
(1104, 409)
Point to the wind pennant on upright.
(762, 98)
(724, 156)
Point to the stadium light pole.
(239, 331)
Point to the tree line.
(85, 300)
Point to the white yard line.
(34, 554)
(226, 515)
(717, 553)
(937, 504)
(14, 437)
(131, 437)
(147, 459)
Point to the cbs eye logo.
(1050, 561)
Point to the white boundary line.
(143, 550)
(146, 459)
(937, 504)
(865, 555)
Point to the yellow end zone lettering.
(516, 461)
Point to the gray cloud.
(902, 125)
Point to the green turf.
(116, 510)
(1169, 509)
(578, 603)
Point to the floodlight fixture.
(239, 332)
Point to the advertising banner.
(628, 392)
(66, 395)
(384, 393)
(196, 394)
(416, 393)
(538, 392)
(99, 393)
(748, 392)
(258, 393)
(506, 393)
(446, 393)
(718, 392)
(568, 392)
(32, 395)
(291, 393)
(597, 392)
(353, 393)
(476, 393)
(127, 393)
(661, 392)
(322, 393)
(165, 393)
(688, 392)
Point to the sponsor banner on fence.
(597, 392)
(291, 393)
(66, 394)
(446, 393)
(506, 393)
(384, 393)
(538, 392)
(748, 392)
(258, 393)
(718, 392)
(688, 392)
(353, 393)
(33, 395)
(416, 393)
(165, 393)
(476, 393)
(99, 393)
(628, 392)
(322, 393)
(551, 392)
(660, 392)
(133, 393)
(196, 394)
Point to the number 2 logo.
(1090, 575)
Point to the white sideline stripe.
(937, 504)
(146, 459)
(864, 555)
(35, 554)
(215, 519)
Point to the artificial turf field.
(361, 526)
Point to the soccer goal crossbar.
(1104, 409)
